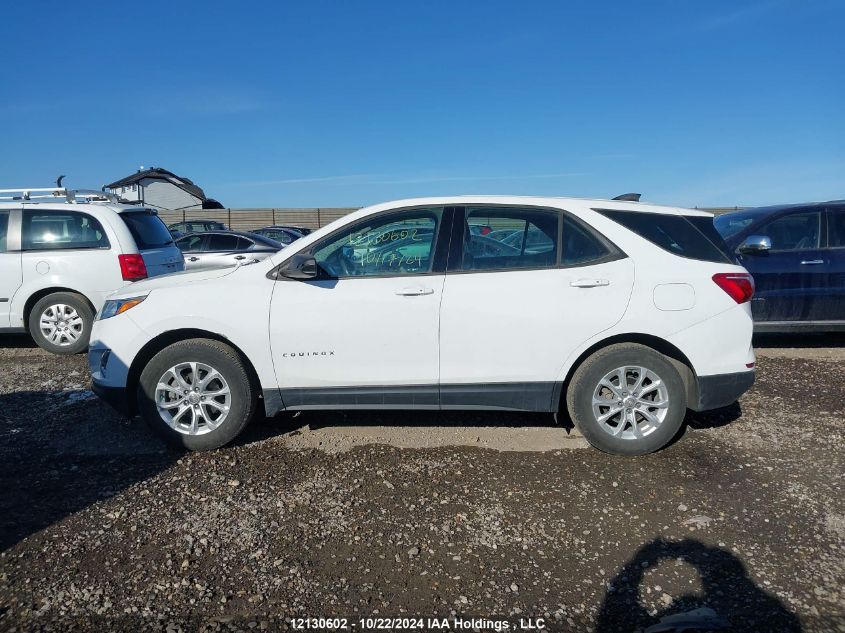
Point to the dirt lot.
(493, 516)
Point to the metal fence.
(312, 218)
(250, 219)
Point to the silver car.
(219, 249)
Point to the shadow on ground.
(61, 451)
(725, 588)
(714, 419)
(16, 341)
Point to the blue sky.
(349, 103)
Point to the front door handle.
(414, 292)
(589, 283)
(240, 256)
(811, 262)
(193, 259)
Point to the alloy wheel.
(630, 402)
(193, 398)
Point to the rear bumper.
(721, 390)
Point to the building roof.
(157, 173)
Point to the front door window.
(390, 245)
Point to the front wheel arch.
(155, 345)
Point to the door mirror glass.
(755, 244)
(300, 267)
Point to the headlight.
(113, 307)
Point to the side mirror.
(300, 267)
(756, 244)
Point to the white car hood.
(173, 280)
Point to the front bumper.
(103, 365)
(113, 396)
(720, 390)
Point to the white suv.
(623, 314)
(62, 252)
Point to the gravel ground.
(507, 518)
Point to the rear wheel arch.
(678, 359)
(36, 296)
(160, 342)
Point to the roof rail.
(628, 197)
(52, 193)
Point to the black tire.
(230, 366)
(585, 380)
(62, 343)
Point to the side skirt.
(515, 396)
(782, 327)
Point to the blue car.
(796, 254)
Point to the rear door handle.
(414, 292)
(811, 262)
(240, 256)
(589, 283)
(193, 259)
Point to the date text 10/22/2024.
(417, 624)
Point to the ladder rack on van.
(52, 193)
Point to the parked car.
(299, 229)
(282, 234)
(796, 254)
(62, 253)
(195, 226)
(629, 317)
(218, 249)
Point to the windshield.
(732, 223)
(147, 229)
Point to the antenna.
(628, 197)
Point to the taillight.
(740, 286)
(132, 267)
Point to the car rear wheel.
(197, 394)
(61, 323)
(627, 399)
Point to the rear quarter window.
(147, 229)
(685, 236)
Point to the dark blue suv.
(796, 254)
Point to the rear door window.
(58, 230)
(147, 229)
(224, 242)
(508, 238)
(279, 235)
(677, 234)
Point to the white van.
(62, 252)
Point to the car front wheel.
(627, 399)
(197, 394)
